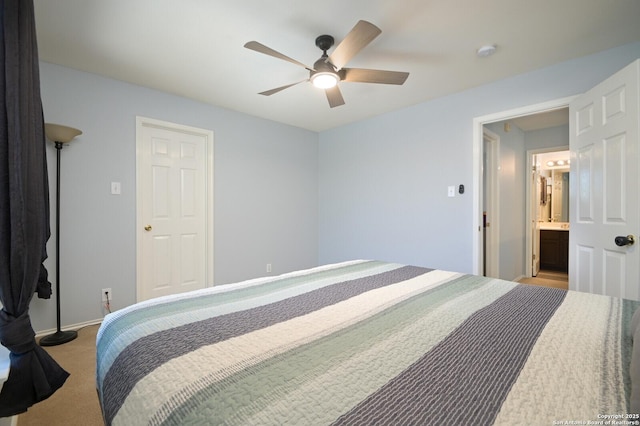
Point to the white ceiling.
(194, 48)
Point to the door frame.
(532, 198)
(142, 122)
(478, 137)
(492, 185)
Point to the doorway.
(604, 139)
(547, 236)
(480, 187)
(535, 195)
(548, 201)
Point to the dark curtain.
(24, 211)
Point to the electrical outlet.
(104, 294)
(268, 267)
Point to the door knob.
(148, 228)
(622, 241)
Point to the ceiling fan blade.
(360, 75)
(277, 89)
(334, 96)
(261, 48)
(361, 35)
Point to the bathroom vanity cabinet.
(554, 250)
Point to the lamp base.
(58, 338)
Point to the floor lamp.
(59, 135)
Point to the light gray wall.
(552, 137)
(383, 181)
(265, 195)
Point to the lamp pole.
(59, 337)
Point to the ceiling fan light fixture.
(324, 80)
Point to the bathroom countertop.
(554, 226)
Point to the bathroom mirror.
(554, 186)
(560, 196)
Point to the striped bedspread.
(364, 343)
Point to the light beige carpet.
(548, 279)
(76, 403)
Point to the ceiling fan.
(329, 69)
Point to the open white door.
(605, 153)
(491, 205)
(535, 222)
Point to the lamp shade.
(60, 133)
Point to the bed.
(369, 342)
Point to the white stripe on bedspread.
(560, 387)
(167, 380)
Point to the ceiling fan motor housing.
(324, 42)
(322, 65)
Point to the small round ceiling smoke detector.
(486, 50)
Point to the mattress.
(368, 342)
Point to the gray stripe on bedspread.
(149, 352)
(466, 377)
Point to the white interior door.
(173, 194)
(605, 153)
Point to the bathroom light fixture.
(558, 163)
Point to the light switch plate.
(451, 191)
(115, 188)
